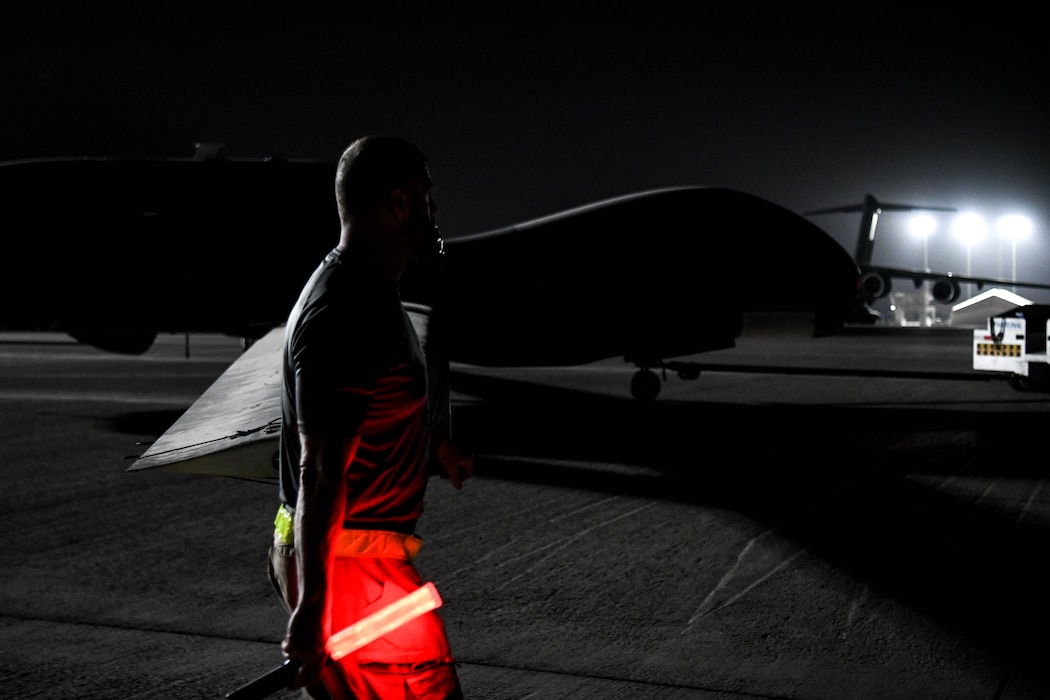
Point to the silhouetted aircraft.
(649, 276)
(876, 280)
(119, 250)
(115, 251)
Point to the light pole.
(970, 229)
(923, 226)
(1014, 227)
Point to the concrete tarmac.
(862, 516)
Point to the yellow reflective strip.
(283, 525)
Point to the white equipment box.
(1015, 343)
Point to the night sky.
(526, 109)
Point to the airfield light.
(923, 225)
(1014, 227)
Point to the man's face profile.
(424, 235)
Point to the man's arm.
(456, 464)
(319, 515)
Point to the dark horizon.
(527, 111)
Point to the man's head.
(384, 178)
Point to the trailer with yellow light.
(1015, 344)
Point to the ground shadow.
(834, 478)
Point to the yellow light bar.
(998, 350)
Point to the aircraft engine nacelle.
(945, 290)
(874, 285)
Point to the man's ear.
(400, 203)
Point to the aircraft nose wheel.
(645, 385)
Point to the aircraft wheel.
(645, 385)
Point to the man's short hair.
(371, 168)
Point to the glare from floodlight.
(923, 225)
(1014, 227)
(969, 228)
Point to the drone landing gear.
(645, 384)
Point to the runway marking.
(708, 605)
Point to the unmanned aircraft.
(876, 280)
(646, 276)
(651, 277)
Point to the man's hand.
(304, 644)
(457, 464)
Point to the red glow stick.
(368, 629)
(422, 600)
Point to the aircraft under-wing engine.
(876, 280)
(115, 251)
